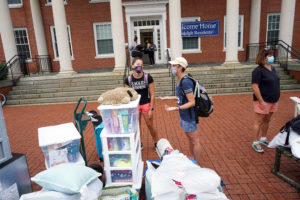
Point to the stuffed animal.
(117, 96)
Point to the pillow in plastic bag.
(94, 190)
(66, 178)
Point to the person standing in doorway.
(266, 89)
(143, 84)
(185, 106)
(151, 48)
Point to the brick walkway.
(226, 139)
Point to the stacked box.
(121, 119)
(121, 145)
(60, 144)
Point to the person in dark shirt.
(266, 88)
(144, 85)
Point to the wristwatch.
(151, 108)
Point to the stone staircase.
(53, 88)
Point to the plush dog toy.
(117, 96)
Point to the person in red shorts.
(266, 88)
(143, 84)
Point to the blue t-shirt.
(268, 83)
(188, 87)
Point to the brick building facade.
(89, 27)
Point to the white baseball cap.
(179, 61)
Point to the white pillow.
(67, 178)
(94, 192)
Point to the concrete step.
(58, 89)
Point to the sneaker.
(264, 143)
(257, 148)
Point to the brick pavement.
(226, 139)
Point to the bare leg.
(258, 121)
(195, 145)
(265, 125)
(149, 123)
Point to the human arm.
(257, 92)
(152, 95)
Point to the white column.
(175, 28)
(118, 34)
(287, 16)
(61, 31)
(255, 21)
(7, 32)
(232, 22)
(38, 27)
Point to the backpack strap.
(182, 90)
(130, 80)
(146, 78)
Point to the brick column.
(118, 34)
(232, 22)
(61, 31)
(175, 28)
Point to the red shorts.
(265, 108)
(145, 108)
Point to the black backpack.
(292, 124)
(203, 103)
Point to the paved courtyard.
(226, 138)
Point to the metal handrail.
(282, 51)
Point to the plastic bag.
(119, 193)
(94, 190)
(177, 177)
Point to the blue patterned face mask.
(174, 71)
(270, 59)
(138, 69)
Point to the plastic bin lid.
(57, 134)
(131, 104)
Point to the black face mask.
(138, 69)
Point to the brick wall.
(81, 15)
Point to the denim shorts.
(188, 126)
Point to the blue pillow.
(67, 178)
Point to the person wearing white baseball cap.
(185, 105)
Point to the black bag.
(203, 103)
(292, 124)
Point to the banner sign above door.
(200, 28)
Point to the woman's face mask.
(174, 70)
(138, 69)
(270, 59)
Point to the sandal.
(257, 148)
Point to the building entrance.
(145, 36)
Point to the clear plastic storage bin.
(60, 144)
(122, 118)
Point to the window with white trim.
(273, 27)
(15, 3)
(240, 32)
(49, 2)
(22, 42)
(103, 38)
(190, 43)
(54, 42)
(98, 1)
